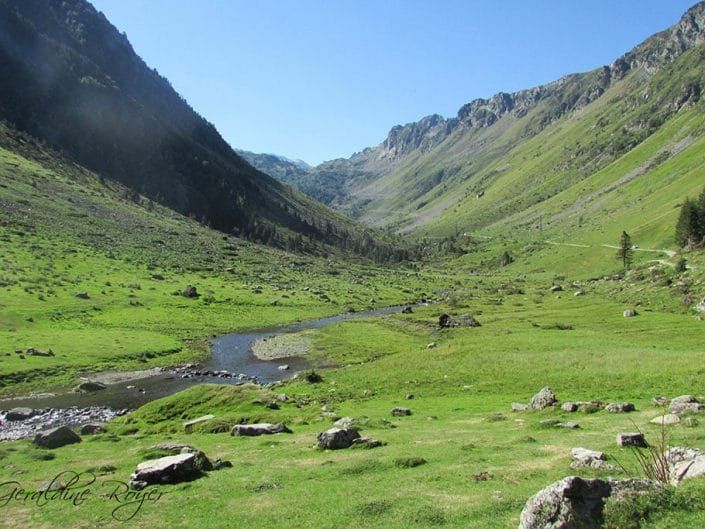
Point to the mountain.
(508, 161)
(71, 80)
(279, 167)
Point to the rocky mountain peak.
(421, 135)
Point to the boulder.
(400, 412)
(543, 399)
(169, 469)
(189, 425)
(90, 386)
(92, 428)
(571, 503)
(337, 438)
(666, 420)
(685, 463)
(251, 430)
(620, 407)
(576, 503)
(57, 437)
(686, 404)
(631, 439)
(20, 414)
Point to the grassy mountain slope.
(70, 79)
(64, 230)
(578, 152)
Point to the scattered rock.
(51, 486)
(90, 386)
(190, 292)
(570, 406)
(401, 411)
(482, 476)
(620, 407)
(407, 310)
(283, 367)
(517, 406)
(444, 320)
(582, 457)
(56, 437)
(571, 425)
(82, 295)
(189, 425)
(543, 399)
(666, 420)
(571, 503)
(685, 463)
(366, 442)
(249, 430)
(35, 352)
(631, 439)
(20, 414)
(556, 288)
(686, 404)
(549, 423)
(337, 438)
(409, 396)
(92, 428)
(431, 345)
(169, 469)
(579, 293)
(630, 313)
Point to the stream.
(231, 353)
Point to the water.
(230, 352)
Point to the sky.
(322, 79)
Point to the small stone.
(401, 411)
(82, 295)
(579, 293)
(345, 422)
(570, 406)
(89, 386)
(631, 439)
(629, 313)
(620, 407)
(517, 406)
(283, 367)
(571, 425)
(556, 288)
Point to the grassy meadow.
(97, 275)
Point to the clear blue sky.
(321, 79)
